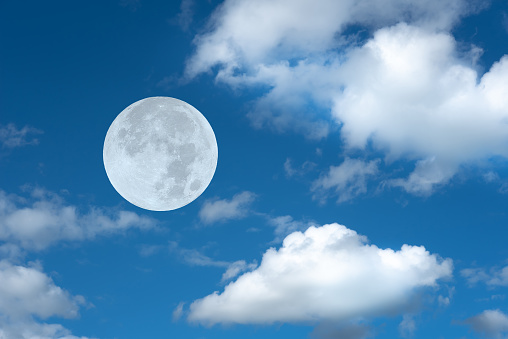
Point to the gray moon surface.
(160, 153)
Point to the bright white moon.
(160, 153)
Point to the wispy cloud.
(44, 218)
(292, 171)
(186, 15)
(11, 136)
(493, 277)
(220, 210)
(346, 181)
(194, 257)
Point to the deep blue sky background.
(68, 68)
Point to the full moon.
(160, 153)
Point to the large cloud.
(407, 90)
(326, 273)
(44, 219)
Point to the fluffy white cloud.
(347, 180)
(11, 136)
(26, 292)
(415, 97)
(407, 89)
(492, 323)
(494, 277)
(43, 219)
(221, 210)
(326, 273)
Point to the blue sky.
(360, 192)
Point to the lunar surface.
(160, 153)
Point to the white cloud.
(326, 273)
(26, 292)
(494, 277)
(11, 136)
(43, 219)
(407, 91)
(416, 98)
(246, 32)
(347, 180)
(492, 323)
(221, 210)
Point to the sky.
(361, 188)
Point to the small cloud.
(216, 210)
(186, 15)
(490, 176)
(167, 82)
(492, 323)
(11, 136)
(495, 276)
(348, 180)
(291, 171)
(131, 5)
(194, 257)
(237, 268)
(178, 311)
(285, 225)
(407, 326)
(149, 250)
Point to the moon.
(160, 153)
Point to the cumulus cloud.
(326, 273)
(347, 180)
(36, 222)
(492, 323)
(407, 90)
(494, 277)
(216, 210)
(11, 136)
(26, 292)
